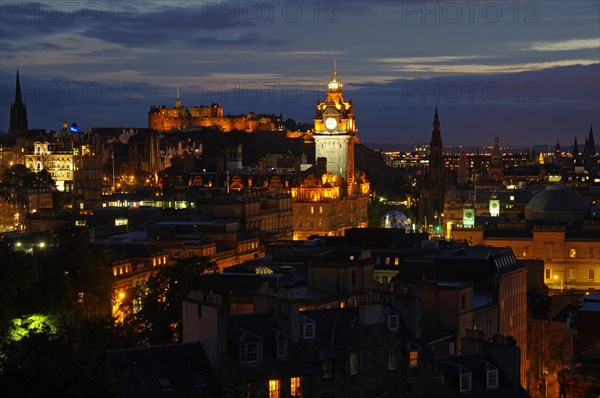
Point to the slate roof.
(476, 363)
(165, 371)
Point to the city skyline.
(527, 72)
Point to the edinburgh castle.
(162, 118)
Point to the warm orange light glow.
(274, 388)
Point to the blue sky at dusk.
(526, 71)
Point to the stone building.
(558, 230)
(330, 197)
(163, 118)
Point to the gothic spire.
(18, 99)
(18, 110)
(575, 149)
(436, 135)
(590, 148)
(436, 146)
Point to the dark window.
(327, 369)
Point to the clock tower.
(335, 132)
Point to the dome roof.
(263, 270)
(557, 204)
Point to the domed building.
(557, 204)
(557, 229)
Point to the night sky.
(528, 72)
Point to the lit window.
(492, 379)
(387, 261)
(327, 372)
(320, 209)
(591, 274)
(392, 360)
(465, 382)
(591, 253)
(353, 363)
(572, 252)
(274, 387)
(296, 387)
(413, 359)
(312, 210)
(351, 258)
(396, 261)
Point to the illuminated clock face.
(468, 215)
(494, 205)
(330, 123)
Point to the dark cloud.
(565, 104)
(138, 24)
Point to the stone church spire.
(590, 146)
(436, 146)
(18, 111)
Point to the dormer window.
(282, 348)
(492, 379)
(392, 322)
(327, 371)
(307, 328)
(413, 359)
(465, 381)
(250, 352)
(353, 363)
(391, 319)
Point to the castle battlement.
(163, 118)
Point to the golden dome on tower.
(334, 85)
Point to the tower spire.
(591, 144)
(177, 101)
(18, 110)
(18, 98)
(334, 68)
(436, 146)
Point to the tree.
(46, 364)
(159, 321)
(19, 175)
(42, 286)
